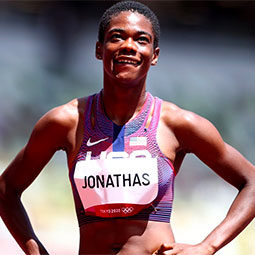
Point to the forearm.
(16, 219)
(240, 214)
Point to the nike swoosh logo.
(89, 143)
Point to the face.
(127, 51)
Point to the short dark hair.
(133, 7)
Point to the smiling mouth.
(127, 62)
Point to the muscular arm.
(197, 135)
(49, 135)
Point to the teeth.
(125, 61)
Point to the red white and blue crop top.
(119, 171)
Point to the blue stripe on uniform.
(118, 138)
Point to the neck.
(122, 103)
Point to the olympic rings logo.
(127, 210)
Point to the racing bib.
(116, 187)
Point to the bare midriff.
(122, 236)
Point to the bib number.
(116, 187)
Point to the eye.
(143, 40)
(116, 37)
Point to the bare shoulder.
(56, 126)
(65, 116)
(189, 127)
(176, 117)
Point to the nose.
(129, 46)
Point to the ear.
(99, 54)
(155, 56)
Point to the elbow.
(249, 183)
(2, 187)
(2, 193)
(7, 193)
(251, 179)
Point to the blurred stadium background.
(207, 65)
